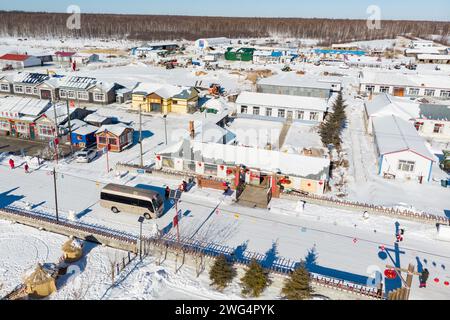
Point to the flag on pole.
(175, 221)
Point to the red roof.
(14, 57)
(64, 54)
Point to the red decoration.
(199, 164)
(222, 167)
(390, 274)
(175, 221)
(56, 141)
(309, 184)
(158, 158)
(229, 171)
(447, 283)
(436, 280)
(382, 248)
(321, 182)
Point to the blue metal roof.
(349, 52)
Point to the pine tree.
(297, 286)
(255, 280)
(221, 273)
(331, 128)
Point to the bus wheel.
(115, 210)
(147, 216)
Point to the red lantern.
(321, 183)
(309, 184)
(222, 167)
(158, 158)
(199, 164)
(229, 171)
(390, 274)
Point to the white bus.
(144, 202)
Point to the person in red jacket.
(26, 167)
(11, 163)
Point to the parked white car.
(86, 155)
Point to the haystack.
(42, 281)
(72, 250)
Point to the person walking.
(167, 193)
(423, 278)
(26, 167)
(11, 163)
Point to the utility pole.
(140, 135)
(70, 127)
(56, 142)
(165, 126)
(56, 194)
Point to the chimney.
(191, 129)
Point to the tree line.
(165, 27)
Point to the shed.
(72, 250)
(42, 281)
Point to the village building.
(405, 84)
(83, 134)
(296, 85)
(114, 137)
(6, 86)
(434, 58)
(267, 106)
(18, 116)
(402, 153)
(85, 58)
(98, 120)
(19, 61)
(434, 122)
(63, 56)
(87, 90)
(165, 98)
(27, 84)
(208, 43)
(151, 47)
(345, 46)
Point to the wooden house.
(115, 137)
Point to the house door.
(155, 107)
(399, 92)
(46, 94)
(32, 133)
(290, 115)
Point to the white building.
(267, 106)
(402, 152)
(405, 84)
(19, 61)
(85, 58)
(205, 43)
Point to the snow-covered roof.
(269, 160)
(165, 91)
(31, 78)
(429, 50)
(434, 112)
(61, 112)
(115, 129)
(395, 78)
(282, 101)
(291, 79)
(77, 82)
(85, 129)
(18, 107)
(385, 104)
(95, 117)
(433, 57)
(394, 134)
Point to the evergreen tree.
(221, 273)
(255, 280)
(331, 128)
(297, 286)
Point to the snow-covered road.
(346, 245)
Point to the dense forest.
(159, 27)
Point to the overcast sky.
(352, 9)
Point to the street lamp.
(140, 220)
(56, 194)
(165, 126)
(140, 136)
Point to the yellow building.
(165, 98)
(42, 282)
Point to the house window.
(45, 130)
(256, 111)
(71, 94)
(102, 140)
(28, 90)
(18, 89)
(112, 141)
(370, 89)
(300, 115)
(4, 87)
(281, 113)
(429, 92)
(63, 93)
(21, 127)
(83, 95)
(419, 126)
(4, 125)
(35, 90)
(314, 116)
(384, 89)
(99, 96)
(445, 94)
(268, 112)
(244, 109)
(438, 127)
(407, 166)
(174, 101)
(413, 91)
